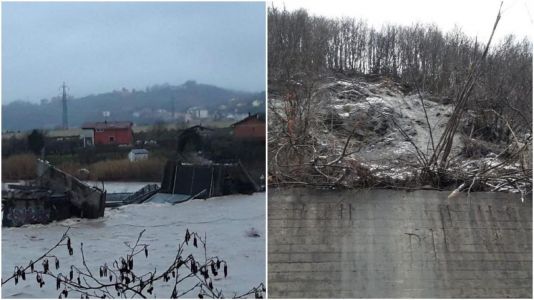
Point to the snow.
(344, 83)
(381, 101)
(227, 221)
(387, 170)
(383, 113)
(389, 125)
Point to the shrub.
(473, 148)
(123, 169)
(19, 166)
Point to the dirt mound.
(377, 124)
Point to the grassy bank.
(19, 166)
(124, 170)
(23, 166)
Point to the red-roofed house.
(111, 133)
(251, 127)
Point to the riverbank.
(23, 166)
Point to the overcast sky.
(475, 17)
(98, 47)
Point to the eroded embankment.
(360, 132)
(391, 244)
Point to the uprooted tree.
(186, 274)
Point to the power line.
(65, 123)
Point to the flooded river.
(225, 220)
(120, 186)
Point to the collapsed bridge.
(209, 180)
(54, 195)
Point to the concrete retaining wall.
(391, 244)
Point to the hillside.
(402, 106)
(141, 107)
(363, 131)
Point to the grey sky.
(98, 47)
(474, 17)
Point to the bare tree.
(121, 278)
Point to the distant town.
(104, 146)
(180, 105)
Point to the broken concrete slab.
(89, 202)
(54, 195)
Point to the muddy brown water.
(397, 244)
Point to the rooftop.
(139, 151)
(68, 132)
(107, 125)
(249, 118)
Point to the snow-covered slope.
(388, 123)
(388, 127)
(380, 111)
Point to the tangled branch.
(121, 278)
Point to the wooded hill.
(306, 46)
(122, 104)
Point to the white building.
(138, 154)
(198, 112)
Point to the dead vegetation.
(329, 153)
(115, 170)
(19, 167)
(187, 275)
(317, 131)
(23, 166)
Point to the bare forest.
(400, 106)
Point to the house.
(111, 133)
(195, 113)
(84, 136)
(251, 127)
(193, 138)
(138, 154)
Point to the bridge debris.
(54, 195)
